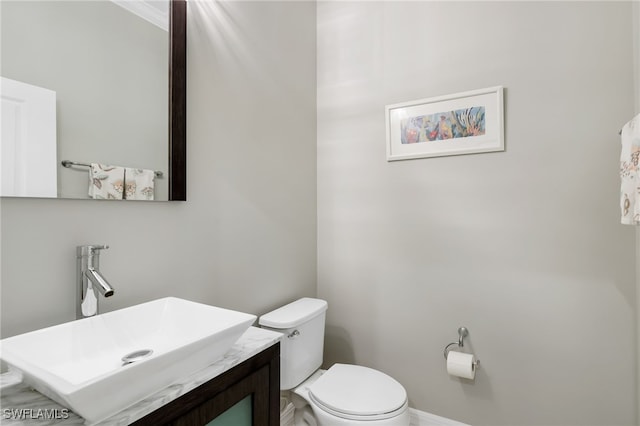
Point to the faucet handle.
(93, 250)
(90, 250)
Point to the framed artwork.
(462, 123)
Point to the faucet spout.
(90, 281)
(99, 282)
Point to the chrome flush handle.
(293, 334)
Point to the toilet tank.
(302, 323)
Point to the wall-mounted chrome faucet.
(89, 280)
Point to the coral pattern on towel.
(106, 182)
(119, 183)
(139, 184)
(629, 176)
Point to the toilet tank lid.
(293, 314)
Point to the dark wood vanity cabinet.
(258, 378)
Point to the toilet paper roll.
(461, 365)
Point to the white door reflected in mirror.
(28, 140)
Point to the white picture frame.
(462, 123)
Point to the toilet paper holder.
(462, 333)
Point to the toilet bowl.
(344, 394)
(351, 394)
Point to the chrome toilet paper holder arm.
(462, 333)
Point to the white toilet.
(342, 395)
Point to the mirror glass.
(85, 82)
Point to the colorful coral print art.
(461, 123)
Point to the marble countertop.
(21, 405)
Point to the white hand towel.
(139, 184)
(106, 182)
(629, 173)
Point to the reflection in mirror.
(93, 78)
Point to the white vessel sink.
(79, 364)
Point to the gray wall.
(108, 68)
(522, 247)
(246, 237)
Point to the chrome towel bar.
(68, 164)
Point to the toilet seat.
(358, 393)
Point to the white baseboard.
(421, 418)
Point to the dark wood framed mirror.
(84, 83)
